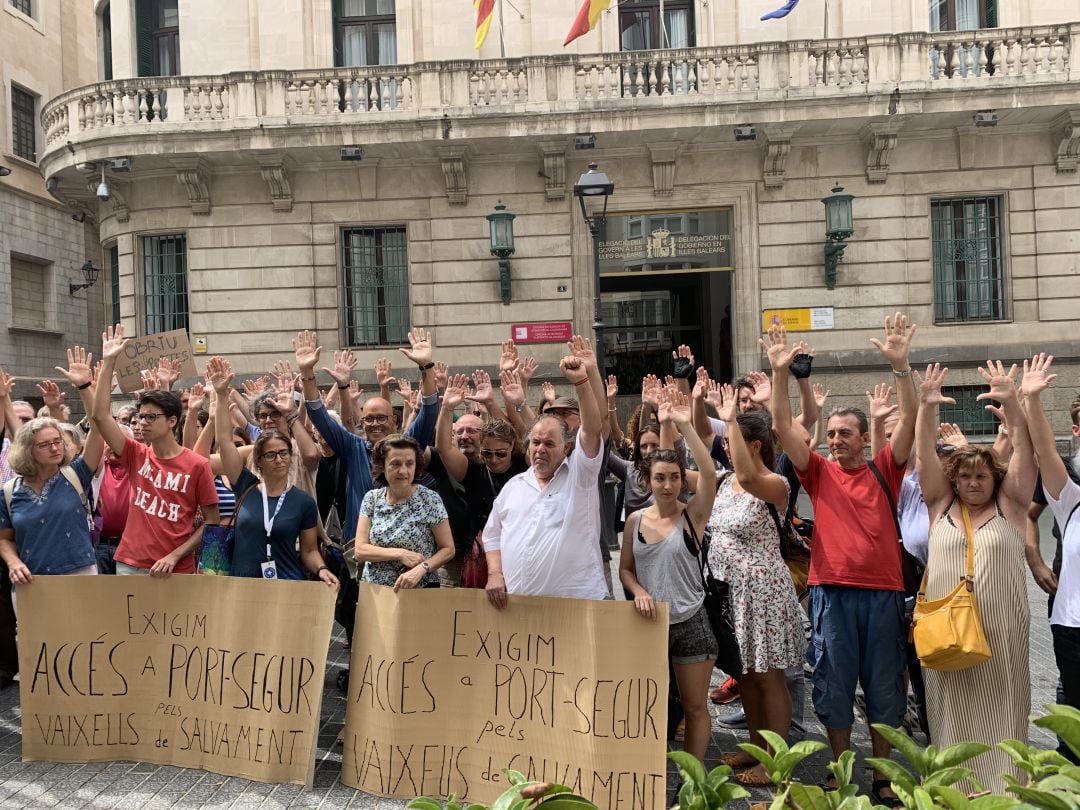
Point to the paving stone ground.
(155, 787)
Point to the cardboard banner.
(143, 353)
(445, 691)
(220, 673)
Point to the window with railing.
(23, 124)
(648, 25)
(165, 292)
(112, 258)
(968, 413)
(157, 25)
(365, 33)
(962, 15)
(375, 263)
(969, 273)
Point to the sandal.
(751, 777)
(879, 785)
(737, 759)
(828, 783)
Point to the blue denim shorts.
(857, 635)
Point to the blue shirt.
(355, 455)
(51, 532)
(298, 512)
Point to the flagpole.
(502, 40)
(826, 35)
(663, 27)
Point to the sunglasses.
(494, 453)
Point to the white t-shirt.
(1067, 601)
(549, 538)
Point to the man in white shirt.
(542, 538)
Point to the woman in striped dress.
(989, 702)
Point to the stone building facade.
(238, 218)
(45, 49)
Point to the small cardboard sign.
(143, 353)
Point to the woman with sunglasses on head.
(271, 514)
(44, 526)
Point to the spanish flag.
(484, 9)
(586, 19)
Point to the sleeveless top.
(669, 571)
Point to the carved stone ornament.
(880, 141)
(454, 168)
(554, 155)
(1068, 151)
(664, 157)
(195, 177)
(777, 146)
(276, 175)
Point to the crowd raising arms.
(402, 532)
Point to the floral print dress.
(745, 552)
(405, 525)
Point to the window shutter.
(338, 58)
(145, 22)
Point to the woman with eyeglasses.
(271, 513)
(44, 513)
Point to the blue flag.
(783, 11)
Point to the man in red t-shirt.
(169, 483)
(856, 583)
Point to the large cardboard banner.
(220, 673)
(143, 353)
(445, 691)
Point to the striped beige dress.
(990, 702)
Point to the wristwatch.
(424, 563)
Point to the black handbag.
(717, 606)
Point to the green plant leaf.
(895, 772)
(476, 807)
(424, 803)
(719, 775)
(1059, 782)
(904, 744)
(956, 754)
(514, 777)
(809, 797)
(842, 768)
(923, 799)
(776, 742)
(993, 802)
(1065, 725)
(1040, 798)
(566, 802)
(557, 789)
(730, 791)
(949, 797)
(781, 799)
(452, 802)
(690, 765)
(1063, 710)
(508, 798)
(947, 776)
(760, 754)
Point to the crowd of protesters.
(456, 488)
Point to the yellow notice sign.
(798, 320)
(445, 691)
(220, 673)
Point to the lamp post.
(838, 227)
(595, 184)
(501, 225)
(90, 273)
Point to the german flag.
(484, 10)
(586, 19)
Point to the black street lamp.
(838, 227)
(501, 225)
(594, 184)
(90, 273)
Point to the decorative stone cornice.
(194, 175)
(664, 157)
(777, 145)
(1067, 125)
(554, 171)
(275, 169)
(455, 168)
(880, 140)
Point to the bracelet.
(320, 569)
(427, 366)
(84, 386)
(312, 377)
(342, 387)
(581, 382)
(906, 373)
(612, 410)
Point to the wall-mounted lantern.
(501, 224)
(838, 227)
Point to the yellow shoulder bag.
(948, 633)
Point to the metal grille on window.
(112, 253)
(165, 282)
(969, 413)
(23, 133)
(25, 6)
(376, 265)
(969, 276)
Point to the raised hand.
(78, 371)
(404, 389)
(457, 389)
(1002, 383)
(356, 392)
(220, 375)
(701, 385)
(727, 409)
(820, 393)
(511, 389)
(878, 400)
(575, 368)
(612, 386)
(547, 392)
(684, 362)
(419, 350)
(51, 394)
(508, 356)
(1037, 376)
(762, 387)
(678, 406)
(168, 372)
(930, 385)
(284, 401)
(344, 363)
(714, 395)
(650, 391)
(150, 380)
(951, 434)
(441, 375)
(7, 382)
(582, 349)
(778, 351)
(256, 386)
(383, 368)
(196, 397)
(306, 349)
(112, 342)
(526, 371)
(897, 344)
(484, 392)
(280, 369)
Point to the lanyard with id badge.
(269, 567)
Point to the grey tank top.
(669, 572)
